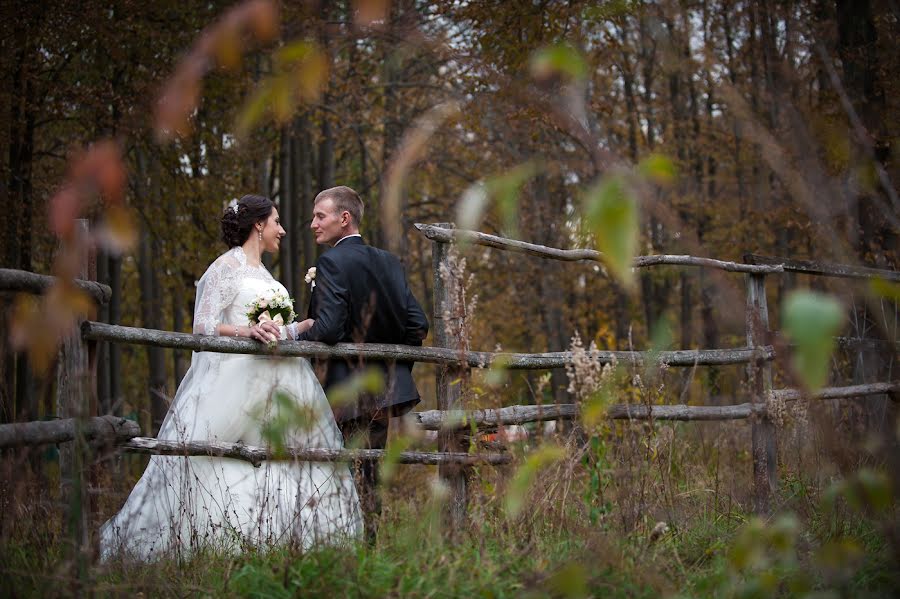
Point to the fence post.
(75, 399)
(448, 378)
(759, 373)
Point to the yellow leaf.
(312, 74)
(253, 109)
(119, 232)
(527, 472)
(282, 99)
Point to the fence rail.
(100, 428)
(23, 281)
(256, 455)
(98, 331)
(825, 269)
(451, 419)
(444, 235)
(489, 418)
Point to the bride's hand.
(266, 332)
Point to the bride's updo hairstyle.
(239, 220)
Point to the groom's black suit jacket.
(362, 296)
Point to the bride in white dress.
(184, 504)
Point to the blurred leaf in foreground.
(370, 380)
(811, 320)
(571, 580)
(526, 473)
(392, 456)
(368, 13)
(301, 71)
(658, 168)
(612, 216)
(886, 289)
(503, 190)
(559, 60)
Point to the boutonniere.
(311, 277)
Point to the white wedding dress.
(184, 504)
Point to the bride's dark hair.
(238, 220)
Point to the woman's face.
(272, 232)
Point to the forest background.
(772, 126)
(658, 75)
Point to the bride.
(183, 504)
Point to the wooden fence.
(80, 424)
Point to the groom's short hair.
(344, 198)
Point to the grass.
(697, 484)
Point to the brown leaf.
(108, 170)
(64, 209)
(412, 147)
(370, 12)
(263, 16)
(227, 44)
(221, 43)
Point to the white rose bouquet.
(277, 308)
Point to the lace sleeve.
(216, 290)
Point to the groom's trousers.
(367, 432)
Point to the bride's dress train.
(184, 504)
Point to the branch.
(442, 235)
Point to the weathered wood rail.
(102, 428)
(22, 281)
(440, 234)
(510, 415)
(255, 455)
(451, 419)
(98, 331)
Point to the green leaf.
(526, 473)
(612, 216)
(569, 581)
(472, 206)
(561, 59)
(370, 380)
(498, 373)
(505, 189)
(594, 410)
(253, 109)
(886, 289)
(875, 489)
(811, 320)
(392, 457)
(658, 169)
(294, 52)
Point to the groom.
(361, 296)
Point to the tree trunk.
(151, 301)
(115, 351)
(287, 258)
(857, 47)
(103, 348)
(302, 174)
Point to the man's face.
(328, 224)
